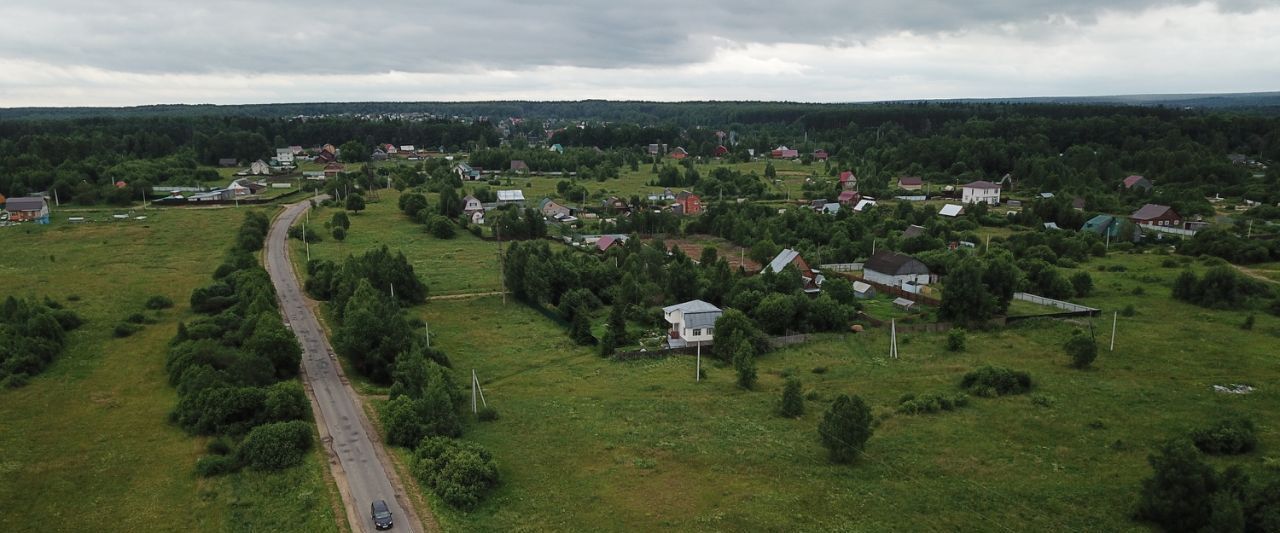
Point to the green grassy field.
(464, 264)
(641, 446)
(86, 446)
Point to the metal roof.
(1151, 211)
(511, 196)
(950, 210)
(692, 306)
(783, 259)
(25, 203)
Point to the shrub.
(1128, 310)
(1082, 349)
(819, 370)
(216, 465)
(73, 298)
(791, 404)
(218, 446)
(125, 329)
(1081, 283)
(1248, 322)
(14, 381)
(991, 381)
(460, 472)
(1179, 494)
(487, 414)
(136, 318)
(339, 234)
(159, 302)
(276, 446)
(931, 403)
(845, 428)
(956, 340)
(1226, 437)
(441, 227)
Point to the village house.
(284, 156)
(1153, 215)
(1104, 225)
(895, 270)
(332, 169)
(657, 148)
(820, 155)
(519, 166)
(477, 217)
(687, 203)
(552, 210)
(864, 204)
(466, 173)
(812, 278)
(1136, 182)
(28, 209)
(980, 192)
(228, 162)
(408, 149)
(378, 155)
(863, 290)
(849, 197)
(679, 153)
(606, 242)
(259, 168)
(692, 322)
(471, 205)
(911, 183)
(912, 231)
(720, 151)
(848, 181)
(951, 210)
(615, 204)
(782, 152)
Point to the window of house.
(697, 332)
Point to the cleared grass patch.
(86, 446)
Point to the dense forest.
(1080, 149)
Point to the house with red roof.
(720, 151)
(820, 155)
(679, 153)
(1136, 182)
(848, 181)
(609, 241)
(782, 152)
(1155, 215)
(910, 183)
(687, 203)
(849, 197)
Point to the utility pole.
(893, 339)
(428, 326)
(502, 273)
(306, 242)
(476, 391)
(698, 376)
(1115, 316)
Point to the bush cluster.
(32, 334)
(234, 367)
(991, 381)
(460, 472)
(1185, 493)
(912, 404)
(1226, 437)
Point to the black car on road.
(381, 514)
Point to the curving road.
(359, 464)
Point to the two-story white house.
(980, 192)
(692, 323)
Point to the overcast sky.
(131, 52)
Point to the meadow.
(642, 445)
(87, 446)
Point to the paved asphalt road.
(360, 465)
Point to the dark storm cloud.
(329, 37)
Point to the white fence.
(840, 267)
(1065, 306)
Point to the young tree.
(617, 324)
(792, 403)
(845, 428)
(965, 298)
(744, 363)
(1179, 494)
(355, 203)
(732, 328)
(450, 205)
(1082, 283)
(1001, 276)
(339, 234)
(340, 220)
(1082, 349)
(580, 329)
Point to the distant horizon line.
(1102, 98)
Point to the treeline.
(235, 368)
(32, 334)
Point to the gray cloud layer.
(330, 37)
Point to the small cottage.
(895, 269)
(691, 322)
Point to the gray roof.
(692, 306)
(912, 231)
(895, 264)
(25, 203)
(1150, 211)
(783, 259)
